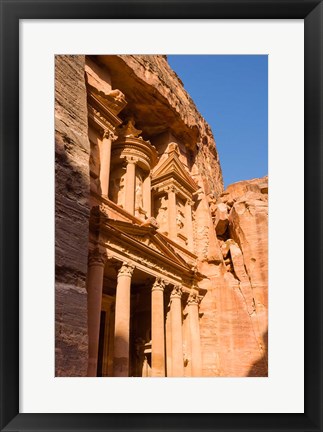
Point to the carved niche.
(117, 185)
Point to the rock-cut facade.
(159, 271)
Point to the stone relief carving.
(116, 186)
(212, 204)
(139, 191)
(109, 134)
(161, 207)
(128, 130)
(97, 115)
(177, 291)
(126, 269)
(97, 257)
(172, 147)
(152, 222)
(117, 95)
(180, 218)
(147, 260)
(159, 284)
(171, 188)
(193, 299)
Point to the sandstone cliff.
(72, 189)
(240, 291)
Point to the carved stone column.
(107, 361)
(130, 182)
(94, 285)
(193, 312)
(122, 321)
(147, 195)
(189, 224)
(177, 332)
(172, 228)
(105, 159)
(157, 328)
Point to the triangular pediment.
(172, 167)
(146, 237)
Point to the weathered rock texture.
(242, 296)
(72, 188)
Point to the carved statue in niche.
(116, 186)
(180, 218)
(161, 213)
(138, 197)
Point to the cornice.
(115, 240)
(113, 102)
(101, 113)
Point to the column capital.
(177, 292)
(109, 134)
(131, 160)
(193, 299)
(171, 189)
(159, 284)
(189, 202)
(97, 257)
(126, 269)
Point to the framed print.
(133, 280)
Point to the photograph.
(161, 210)
(161, 255)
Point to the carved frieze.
(171, 185)
(146, 259)
(151, 222)
(99, 119)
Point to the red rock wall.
(235, 309)
(72, 188)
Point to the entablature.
(145, 246)
(172, 184)
(137, 148)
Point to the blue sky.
(231, 93)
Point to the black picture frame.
(11, 12)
